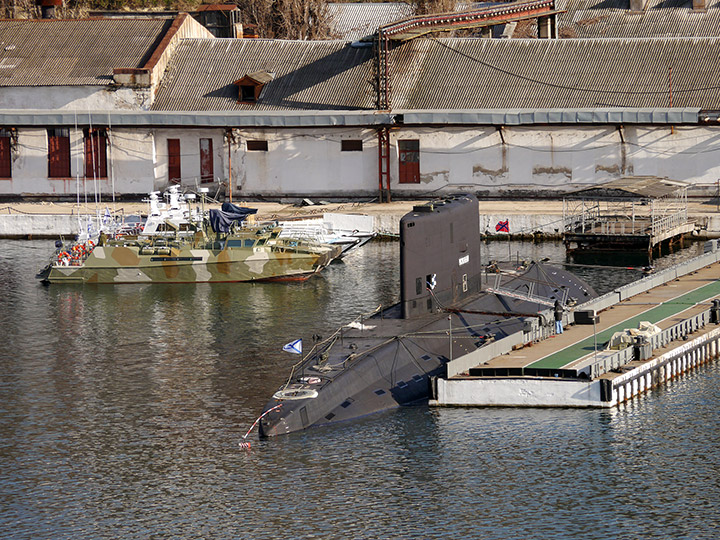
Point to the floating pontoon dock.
(533, 368)
(639, 214)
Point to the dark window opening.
(207, 172)
(402, 384)
(418, 286)
(351, 145)
(5, 154)
(257, 146)
(379, 391)
(58, 153)
(330, 416)
(174, 172)
(247, 93)
(95, 153)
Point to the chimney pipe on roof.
(47, 7)
(699, 5)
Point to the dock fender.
(433, 387)
(606, 389)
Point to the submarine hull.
(447, 309)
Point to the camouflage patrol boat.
(245, 254)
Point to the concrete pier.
(538, 369)
(526, 218)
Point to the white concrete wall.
(189, 158)
(309, 162)
(75, 98)
(130, 158)
(306, 162)
(131, 154)
(518, 393)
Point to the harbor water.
(122, 408)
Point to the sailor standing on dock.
(558, 317)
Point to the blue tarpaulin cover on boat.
(221, 220)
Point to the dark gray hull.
(362, 372)
(444, 312)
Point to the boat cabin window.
(249, 243)
(261, 242)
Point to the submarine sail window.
(464, 283)
(418, 286)
(304, 416)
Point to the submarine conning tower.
(439, 255)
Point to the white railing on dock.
(505, 345)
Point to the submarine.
(450, 305)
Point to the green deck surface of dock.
(654, 315)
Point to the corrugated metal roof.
(450, 74)
(70, 52)
(660, 18)
(309, 75)
(352, 21)
(526, 74)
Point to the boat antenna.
(244, 444)
(112, 162)
(77, 178)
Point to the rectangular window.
(351, 145)
(58, 153)
(5, 154)
(247, 93)
(174, 173)
(257, 146)
(409, 154)
(207, 173)
(95, 153)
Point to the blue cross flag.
(294, 347)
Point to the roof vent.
(251, 85)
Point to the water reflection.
(122, 407)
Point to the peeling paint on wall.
(496, 175)
(613, 170)
(440, 176)
(553, 171)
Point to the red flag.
(503, 226)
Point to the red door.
(95, 153)
(5, 169)
(174, 174)
(207, 172)
(409, 159)
(58, 153)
